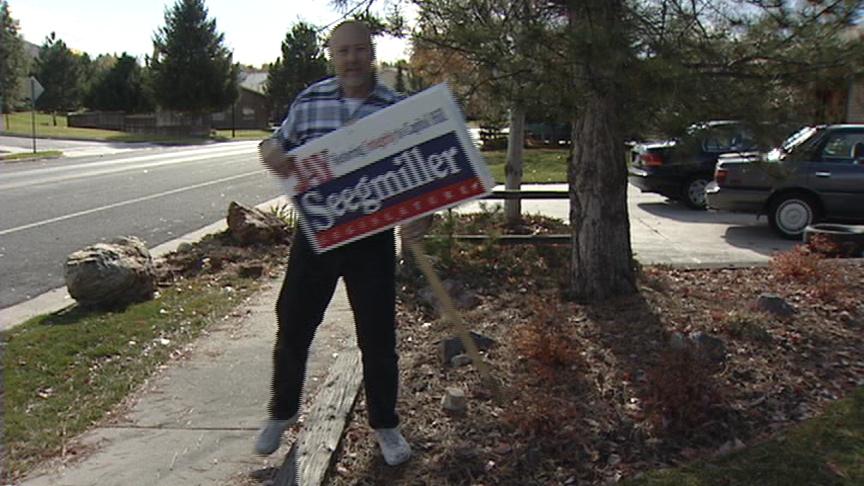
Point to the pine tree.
(13, 64)
(58, 69)
(120, 88)
(192, 71)
(302, 63)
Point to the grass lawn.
(64, 371)
(21, 156)
(822, 451)
(540, 165)
(225, 135)
(20, 124)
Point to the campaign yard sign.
(397, 164)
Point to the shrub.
(745, 325)
(798, 265)
(545, 341)
(681, 392)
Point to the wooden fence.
(508, 194)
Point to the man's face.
(352, 54)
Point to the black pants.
(368, 269)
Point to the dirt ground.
(687, 368)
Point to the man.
(367, 265)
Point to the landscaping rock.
(776, 305)
(677, 341)
(251, 225)
(111, 275)
(250, 271)
(460, 360)
(451, 347)
(462, 297)
(710, 348)
(454, 400)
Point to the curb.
(58, 299)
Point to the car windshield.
(798, 138)
(793, 141)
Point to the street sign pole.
(36, 91)
(33, 110)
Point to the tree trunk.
(513, 168)
(601, 256)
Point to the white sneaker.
(270, 435)
(394, 447)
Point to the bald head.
(353, 29)
(352, 53)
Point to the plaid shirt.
(321, 109)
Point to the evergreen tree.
(302, 63)
(13, 63)
(59, 71)
(192, 71)
(120, 88)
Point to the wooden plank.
(527, 194)
(323, 426)
(549, 239)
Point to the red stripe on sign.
(386, 217)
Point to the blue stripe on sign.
(434, 164)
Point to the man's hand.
(274, 158)
(415, 230)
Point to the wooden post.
(452, 315)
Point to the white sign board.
(398, 164)
(34, 89)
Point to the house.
(387, 76)
(251, 111)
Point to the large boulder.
(251, 225)
(111, 275)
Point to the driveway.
(664, 232)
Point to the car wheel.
(790, 214)
(693, 192)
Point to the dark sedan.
(816, 175)
(681, 169)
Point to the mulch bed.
(597, 393)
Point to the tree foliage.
(120, 87)
(192, 71)
(59, 70)
(301, 64)
(13, 63)
(622, 68)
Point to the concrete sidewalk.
(13, 144)
(195, 422)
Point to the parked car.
(817, 174)
(680, 169)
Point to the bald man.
(367, 266)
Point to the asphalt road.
(49, 209)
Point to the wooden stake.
(452, 315)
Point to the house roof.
(31, 50)
(254, 81)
